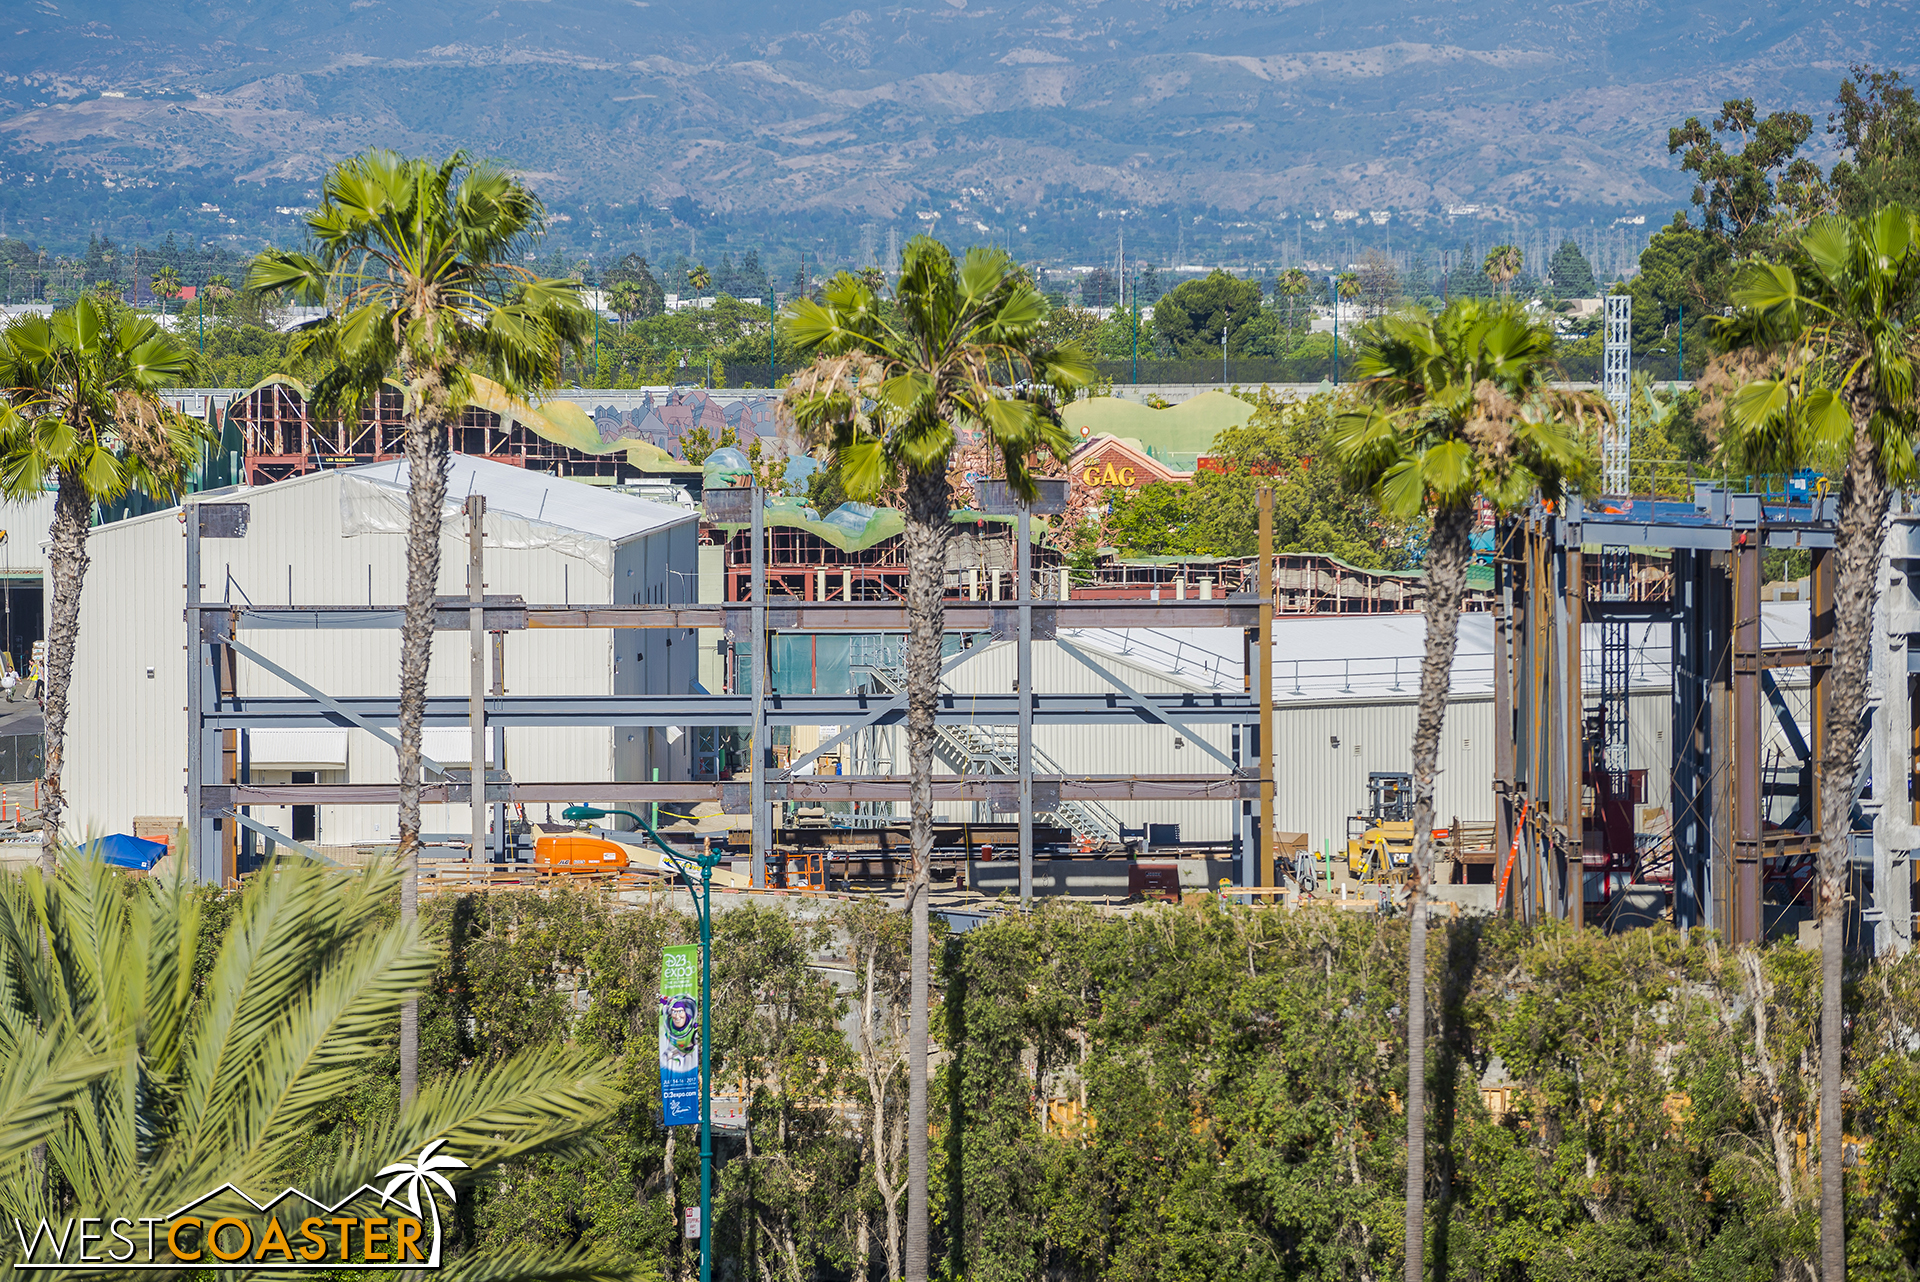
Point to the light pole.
(702, 895)
(1225, 325)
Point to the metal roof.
(1377, 656)
(536, 496)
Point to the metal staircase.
(992, 750)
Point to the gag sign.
(1094, 474)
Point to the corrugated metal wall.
(1324, 750)
(127, 733)
(22, 551)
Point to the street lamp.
(702, 896)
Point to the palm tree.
(625, 298)
(1503, 264)
(153, 1065)
(1293, 283)
(1458, 407)
(219, 289)
(166, 286)
(1829, 335)
(80, 413)
(961, 350)
(415, 262)
(698, 279)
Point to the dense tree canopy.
(1192, 316)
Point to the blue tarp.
(122, 851)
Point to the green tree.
(415, 262)
(632, 269)
(698, 278)
(1569, 272)
(626, 298)
(1820, 368)
(218, 290)
(1740, 193)
(156, 1064)
(1459, 406)
(166, 287)
(1879, 125)
(1293, 285)
(82, 416)
(1194, 314)
(962, 353)
(1503, 264)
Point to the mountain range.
(981, 111)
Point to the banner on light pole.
(680, 1034)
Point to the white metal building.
(337, 538)
(1346, 696)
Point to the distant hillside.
(986, 113)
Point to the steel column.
(1746, 925)
(1570, 874)
(477, 673)
(1023, 686)
(762, 750)
(1263, 873)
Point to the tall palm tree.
(80, 413)
(1503, 264)
(961, 350)
(415, 262)
(1293, 283)
(698, 278)
(219, 289)
(1457, 407)
(166, 286)
(153, 1065)
(1820, 358)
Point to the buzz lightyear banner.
(680, 1034)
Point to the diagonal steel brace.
(1139, 701)
(276, 838)
(898, 701)
(334, 705)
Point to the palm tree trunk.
(928, 524)
(1447, 557)
(427, 492)
(67, 568)
(1857, 538)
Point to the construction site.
(1630, 726)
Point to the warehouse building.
(338, 538)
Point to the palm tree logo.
(414, 1176)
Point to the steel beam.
(275, 838)
(340, 708)
(783, 614)
(1139, 700)
(374, 711)
(810, 787)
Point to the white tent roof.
(540, 498)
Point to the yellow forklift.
(1380, 842)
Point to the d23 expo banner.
(680, 1034)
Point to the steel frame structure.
(218, 717)
(1721, 676)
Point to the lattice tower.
(1616, 380)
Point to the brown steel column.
(1745, 924)
(1820, 666)
(1263, 870)
(225, 664)
(1573, 872)
(1503, 735)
